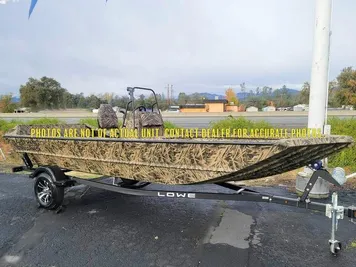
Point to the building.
(252, 109)
(269, 108)
(232, 108)
(242, 108)
(192, 108)
(216, 105)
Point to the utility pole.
(320, 68)
(168, 98)
(172, 96)
(318, 88)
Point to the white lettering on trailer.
(177, 195)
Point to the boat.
(162, 159)
(140, 161)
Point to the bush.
(170, 125)
(7, 125)
(6, 106)
(346, 157)
(239, 123)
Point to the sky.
(91, 46)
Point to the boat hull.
(176, 161)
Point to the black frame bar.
(131, 91)
(242, 194)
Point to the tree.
(255, 101)
(196, 98)
(42, 94)
(141, 100)
(284, 95)
(346, 95)
(243, 89)
(6, 105)
(94, 102)
(304, 93)
(182, 99)
(333, 88)
(120, 101)
(68, 100)
(231, 96)
(108, 97)
(82, 102)
(265, 90)
(257, 90)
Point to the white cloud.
(200, 45)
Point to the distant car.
(173, 110)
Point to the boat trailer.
(50, 182)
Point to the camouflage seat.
(148, 120)
(107, 117)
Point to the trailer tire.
(335, 248)
(48, 195)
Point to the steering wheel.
(144, 108)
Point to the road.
(101, 228)
(204, 121)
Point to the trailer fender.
(56, 174)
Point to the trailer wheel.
(48, 195)
(335, 248)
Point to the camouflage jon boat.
(169, 160)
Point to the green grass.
(94, 122)
(90, 121)
(239, 123)
(8, 125)
(346, 157)
(170, 125)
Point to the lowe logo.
(176, 195)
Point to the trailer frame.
(50, 182)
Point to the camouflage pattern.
(145, 120)
(151, 119)
(107, 117)
(174, 161)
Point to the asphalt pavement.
(102, 228)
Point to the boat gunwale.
(238, 141)
(284, 142)
(241, 141)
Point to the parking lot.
(101, 228)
